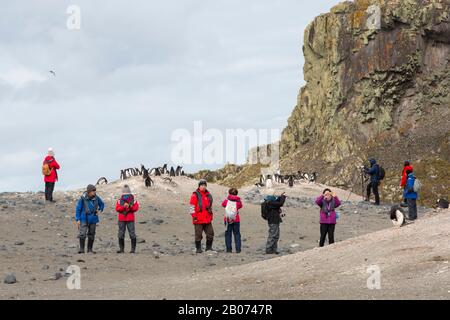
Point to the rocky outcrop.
(377, 78)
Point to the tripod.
(363, 183)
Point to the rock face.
(377, 78)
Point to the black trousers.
(324, 230)
(49, 187)
(87, 230)
(373, 186)
(123, 225)
(412, 209)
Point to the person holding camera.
(374, 173)
(327, 202)
(86, 216)
(271, 211)
(126, 208)
(202, 215)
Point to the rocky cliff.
(377, 78)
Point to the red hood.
(407, 168)
(47, 158)
(233, 198)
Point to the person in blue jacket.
(87, 210)
(410, 195)
(374, 172)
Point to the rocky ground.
(38, 242)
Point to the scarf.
(328, 207)
(127, 198)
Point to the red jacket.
(405, 176)
(53, 177)
(203, 215)
(238, 206)
(126, 214)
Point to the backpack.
(46, 171)
(381, 172)
(231, 210)
(265, 210)
(417, 185)
(442, 203)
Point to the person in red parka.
(201, 211)
(126, 207)
(232, 220)
(406, 167)
(50, 174)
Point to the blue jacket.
(409, 188)
(374, 171)
(80, 214)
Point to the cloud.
(135, 73)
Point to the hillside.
(38, 241)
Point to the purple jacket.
(331, 219)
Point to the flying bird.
(53, 73)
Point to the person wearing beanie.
(126, 208)
(86, 216)
(202, 215)
(49, 170)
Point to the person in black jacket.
(374, 173)
(274, 205)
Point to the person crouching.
(126, 207)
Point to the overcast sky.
(135, 72)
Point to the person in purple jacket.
(327, 202)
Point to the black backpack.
(265, 210)
(381, 172)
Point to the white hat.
(126, 189)
(51, 152)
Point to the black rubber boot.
(121, 246)
(82, 242)
(90, 246)
(208, 245)
(133, 245)
(198, 245)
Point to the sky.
(131, 73)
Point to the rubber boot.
(133, 245)
(121, 246)
(208, 245)
(82, 242)
(198, 246)
(90, 246)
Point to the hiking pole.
(362, 185)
